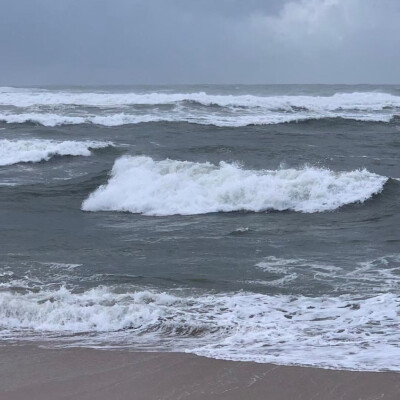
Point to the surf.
(159, 188)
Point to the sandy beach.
(30, 372)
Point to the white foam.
(379, 275)
(36, 150)
(236, 120)
(343, 101)
(50, 119)
(45, 119)
(323, 331)
(241, 229)
(115, 109)
(142, 185)
(332, 332)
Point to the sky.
(97, 42)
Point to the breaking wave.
(349, 101)
(121, 119)
(142, 185)
(52, 107)
(332, 332)
(49, 119)
(36, 150)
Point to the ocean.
(253, 223)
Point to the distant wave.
(36, 150)
(142, 185)
(47, 119)
(55, 107)
(50, 119)
(342, 101)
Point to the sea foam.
(235, 120)
(333, 332)
(54, 107)
(36, 150)
(349, 101)
(142, 185)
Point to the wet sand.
(32, 373)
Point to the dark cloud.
(189, 41)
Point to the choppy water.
(240, 222)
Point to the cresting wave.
(50, 119)
(332, 332)
(52, 107)
(121, 119)
(142, 185)
(36, 150)
(350, 101)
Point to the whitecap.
(36, 150)
(142, 185)
(371, 101)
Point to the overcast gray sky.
(199, 41)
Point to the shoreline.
(35, 373)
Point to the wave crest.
(142, 185)
(36, 150)
(343, 101)
(54, 107)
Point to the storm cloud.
(199, 41)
